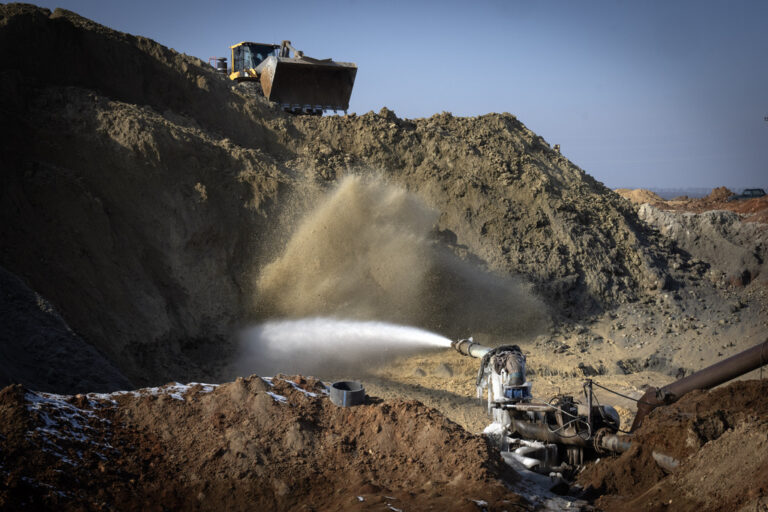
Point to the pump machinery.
(559, 435)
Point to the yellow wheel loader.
(297, 83)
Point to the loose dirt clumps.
(143, 195)
(149, 210)
(253, 444)
(719, 438)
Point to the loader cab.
(246, 56)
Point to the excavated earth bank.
(732, 236)
(142, 193)
(721, 441)
(147, 206)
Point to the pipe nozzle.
(468, 347)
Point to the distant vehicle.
(748, 193)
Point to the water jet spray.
(328, 345)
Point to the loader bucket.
(306, 84)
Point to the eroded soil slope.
(730, 236)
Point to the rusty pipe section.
(735, 366)
(469, 348)
(604, 441)
(541, 432)
(607, 442)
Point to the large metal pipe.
(612, 442)
(541, 432)
(734, 366)
(470, 348)
(605, 441)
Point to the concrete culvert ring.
(346, 393)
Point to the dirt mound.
(138, 221)
(754, 210)
(263, 444)
(38, 347)
(718, 194)
(143, 195)
(639, 195)
(719, 438)
(149, 209)
(123, 67)
(504, 196)
(729, 236)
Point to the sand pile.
(718, 194)
(253, 444)
(143, 196)
(370, 250)
(719, 438)
(639, 195)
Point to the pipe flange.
(598, 441)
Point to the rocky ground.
(150, 212)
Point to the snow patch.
(175, 390)
(278, 398)
(63, 422)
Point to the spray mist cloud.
(368, 252)
(325, 345)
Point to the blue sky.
(639, 94)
